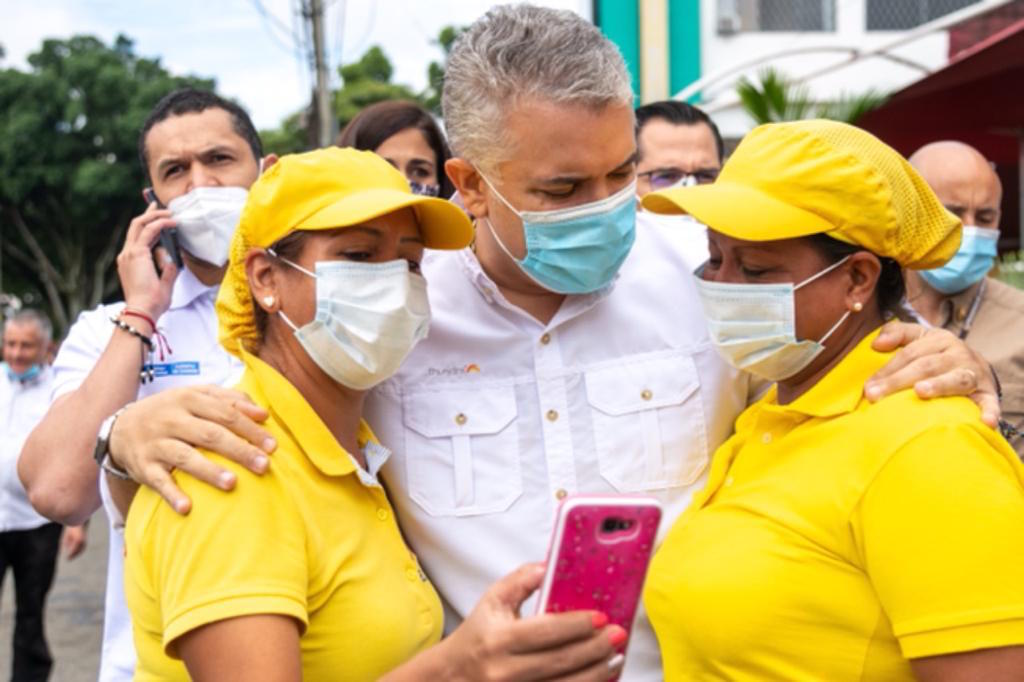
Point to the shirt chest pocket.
(462, 450)
(648, 420)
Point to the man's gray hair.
(521, 51)
(32, 316)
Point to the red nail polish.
(617, 636)
(599, 620)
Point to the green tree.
(365, 82)
(68, 159)
(772, 99)
(435, 70)
(291, 137)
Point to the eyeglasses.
(663, 178)
(425, 190)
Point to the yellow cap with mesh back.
(796, 179)
(325, 189)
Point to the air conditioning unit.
(729, 19)
(729, 23)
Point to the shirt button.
(766, 438)
(382, 514)
(728, 482)
(546, 339)
(646, 394)
(561, 493)
(411, 574)
(461, 419)
(552, 416)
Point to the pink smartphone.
(599, 554)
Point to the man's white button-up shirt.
(495, 416)
(190, 326)
(22, 405)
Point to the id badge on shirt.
(173, 369)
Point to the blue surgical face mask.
(575, 250)
(753, 326)
(970, 264)
(29, 374)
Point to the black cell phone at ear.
(168, 235)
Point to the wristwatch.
(102, 452)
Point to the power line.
(270, 22)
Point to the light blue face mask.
(29, 374)
(970, 264)
(753, 326)
(575, 250)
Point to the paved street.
(74, 618)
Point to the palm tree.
(773, 99)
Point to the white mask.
(753, 326)
(207, 218)
(369, 316)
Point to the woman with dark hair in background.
(409, 138)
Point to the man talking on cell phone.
(200, 153)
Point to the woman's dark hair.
(288, 247)
(378, 122)
(890, 289)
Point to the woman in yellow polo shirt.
(837, 539)
(306, 575)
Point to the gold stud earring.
(858, 306)
(268, 301)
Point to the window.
(735, 16)
(902, 15)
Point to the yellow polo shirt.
(836, 538)
(315, 539)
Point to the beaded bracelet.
(125, 327)
(162, 345)
(146, 374)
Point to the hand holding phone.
(599, 554)
(168, 236)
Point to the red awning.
(977, 98)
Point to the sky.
(245, 44)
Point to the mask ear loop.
(298, 267)
(500, 196)
(500, 243)
(822, 274)
(836, 326)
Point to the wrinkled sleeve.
(941, 533)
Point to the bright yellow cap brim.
(442, 224)
(739, 211)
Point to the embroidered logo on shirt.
(471, 368)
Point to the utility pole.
(322, 95)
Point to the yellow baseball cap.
(796, 179)
(325, 189)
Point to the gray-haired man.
(28, 541)
(567, 352)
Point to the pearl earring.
(268, 301)
(858, 306)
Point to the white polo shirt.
(190, 325)
(22, 405)
(495, 417)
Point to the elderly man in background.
(958, 296)
(28, 542)
(677, 145)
